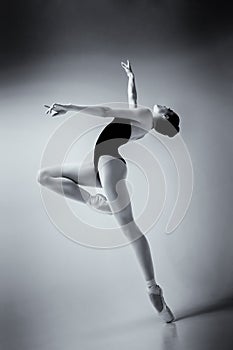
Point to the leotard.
(114, 135)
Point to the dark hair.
(173, 118)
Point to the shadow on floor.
(221, 305)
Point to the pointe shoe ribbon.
(166, 314)
(99, 203)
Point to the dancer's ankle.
(151, 285)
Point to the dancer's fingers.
(48, 108)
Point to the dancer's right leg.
(66, 180)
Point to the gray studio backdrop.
(55, 293)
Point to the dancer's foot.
(99, 203)
(156, 296)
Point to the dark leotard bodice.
(114, 135)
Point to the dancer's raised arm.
(132, 92)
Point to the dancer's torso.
(117, 133)
(123, 130)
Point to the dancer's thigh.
(83, 174)
(113, 178)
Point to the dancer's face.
(160, 120)
(159, 111)
(161, 123)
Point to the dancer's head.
(166, 121)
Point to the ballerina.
(109, 171)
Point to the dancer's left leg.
(113, 174)
(113, 171)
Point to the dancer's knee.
(43, 177)
(132, 231)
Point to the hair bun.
(173, 118)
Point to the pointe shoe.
(99, 203)
(157, 299)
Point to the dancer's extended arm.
(132, 92)
(140, 115)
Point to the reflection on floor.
(209, 328)
(61, 326)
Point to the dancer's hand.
(127, 67)
(56, 109)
